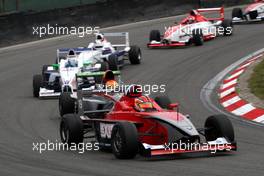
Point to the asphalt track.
(24, 120)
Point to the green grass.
(256, 81)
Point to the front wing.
(210, 147)
(46, 93)
(165, 45)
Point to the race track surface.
(24, 119)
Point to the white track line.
(259, 119)
(235, 75)
(243, 109)
(230, 83)
(227, 92)
(231, 101)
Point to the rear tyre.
(253, 14)
(219, 126)
(113, 62)
(66, 103)
(71, 129)
(228, 27)
(37, 83)
(154, 36)
(134, 55)
(197, 37)
(163, 101)
(237, 13)
(124, 141)
(104, 66)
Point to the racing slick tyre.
(104, 66)
(66, 103)
(219, 126)
(228, 27)
(44, 68)
(237, 13)
(197, 37)
(134, 55)
(154, 36)
(163, 101)
(71, 129)
(253, 14)
(124, 140)
(37, 83)
(113, 62)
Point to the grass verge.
(256, 81)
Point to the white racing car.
(253, 12)
(194, 29)
(57, 77)
(98, 56)
(114, 55)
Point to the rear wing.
(218, 9)
(63, 52)
(119, 34)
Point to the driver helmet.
(143, 104)
(111, 84)
(109, 80)
(108, 75)
(71, 54)
(99, 38)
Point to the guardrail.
(10, 6)
(217, 3)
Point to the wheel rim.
(64, 133)
(60, 108)
(139, 56)
(117, 142)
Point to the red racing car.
(130, 123)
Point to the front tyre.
(37, 83)
(197, 37)
(154, 36)
(134, 55)
(124, 140)
(163, 101)
(237, 13)
(71, 129)
(113, 62)
(219, 126)
(66, 103)
(228, 27)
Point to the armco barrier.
(215, 3)
(7, 6)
